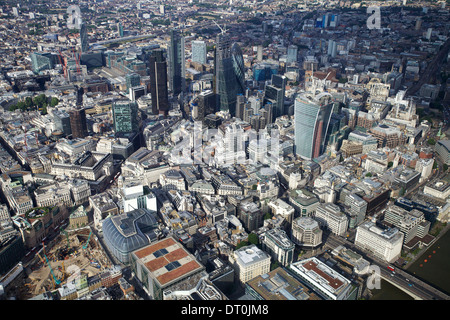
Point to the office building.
(278, 284)
(410, 223)
(323, 280)
(177, 62)
(41, 61)
(276, 242)
(206, 103)
(357, 208)
(166, 266)
(274, 93)
(125, 233)
(84, 41)
(125, 117)
(239, 68)
(442, 150)
(385, 244)
(199, 52)
(78, 123)
(292, 54)
(249, 262)
(304, 202)
(225, 85)
(306, 232)
(312, 115)
(158, 82)
(331, 217)
(132, 80)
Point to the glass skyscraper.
(84, 38)
(158, 82)
(199, 51)
(125, 117)
(274, 93)
(177, 61)
(312, 116)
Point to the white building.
(385, 244)
(425, 168)
(306, 232)
(280, 247)
(326, 282)
(250, 262)
(136, 196)
(330, 216)
(280, 207)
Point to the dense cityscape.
(250, 150)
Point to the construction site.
(69, 254)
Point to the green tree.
(54, 102)
(253, 238)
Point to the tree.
(253, 238)
(431, 142)
(54, 102)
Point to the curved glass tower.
(312, 116)
(239, 68)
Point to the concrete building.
(385, 244)
(166, 266)
(250, 262)
(304, 202)
(306, 232)
(326, 282)
(331, 217)
(279, 246)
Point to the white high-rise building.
(385, 244)
(199, 51)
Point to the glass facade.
(125, 117)
(312, 117)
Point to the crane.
(87, 242)
(55, 279)
(223, 30)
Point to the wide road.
(400, 277)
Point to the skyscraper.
(158, 82)
(78, 123)
(225, 85)
(84, 38)
(132, 80)
(292, 53)
(274, 93)
(125, 117)
(238, 67)
(199, 51)
(312, 115)
(177, 61)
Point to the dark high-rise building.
(125, 117)
(274, 93)
(84, 38)
(177, 61)
(207, 102)
(158, 82)
(225, 85)
(240, 104)
(78, 123)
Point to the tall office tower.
(240, 103)
(78, 123)
(311, 115)
(125, 117)
(259, 55)
(120, 29)
(292, 53)
(224, 76)
(206, 103)
(132, 80)
(84, 38)
(199, 51)
(274, 93)
(158, 82)
(177, 61)
(238, 67)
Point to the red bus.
(391, 268)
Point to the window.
(173, 265)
